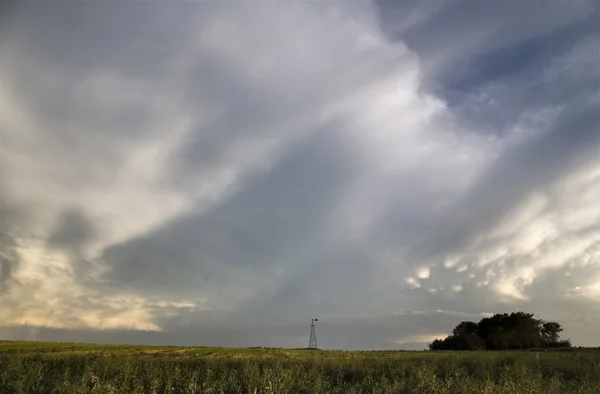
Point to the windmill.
(312, 343)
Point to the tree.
(550, 334)
(464, 337)
(438, 344)
(465, 328)
(518, 330)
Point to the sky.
(219, 173)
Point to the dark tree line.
(518, 330)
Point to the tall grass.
(26, 368)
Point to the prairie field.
(34, 367)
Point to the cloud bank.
(210, 173)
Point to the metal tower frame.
(312, 343)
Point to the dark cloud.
(9, 257)
(463, 59)
(266, 226)
(72, 231)
(8, 261)
(438, 30)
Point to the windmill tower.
(312, 344)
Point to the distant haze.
(220, 172)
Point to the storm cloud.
(219, 173)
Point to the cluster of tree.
(518, 330)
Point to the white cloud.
(423, 272)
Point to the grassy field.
(32, 367)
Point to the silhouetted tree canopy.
(518, 330)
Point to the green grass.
(35, 367)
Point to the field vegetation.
(32, 367)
